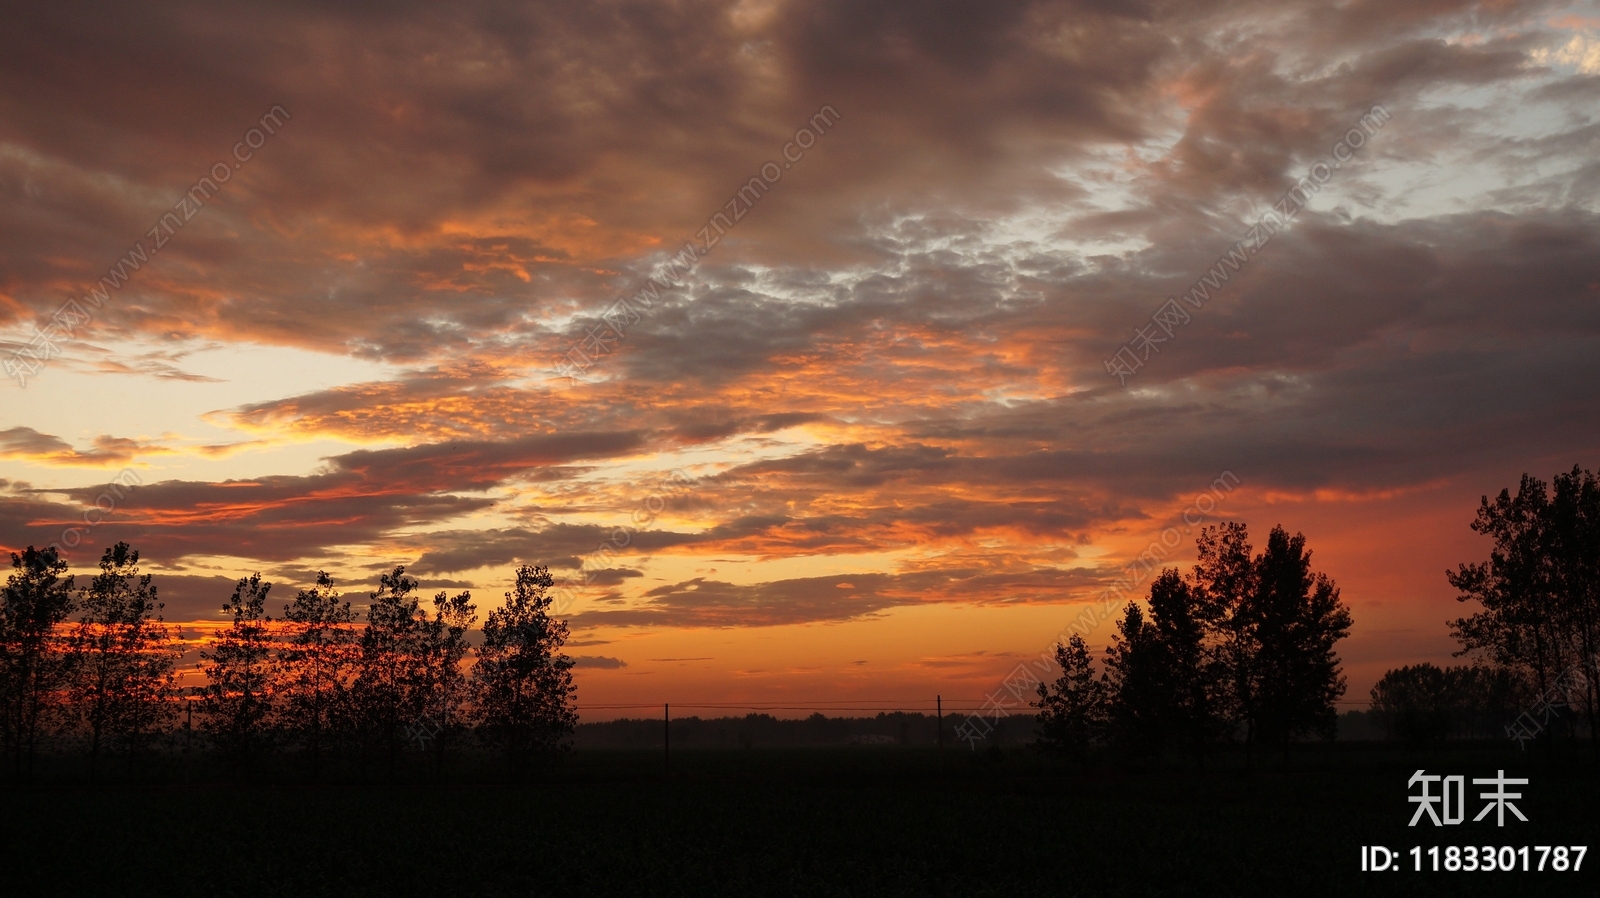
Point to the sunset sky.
(904, 463)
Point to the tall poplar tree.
(1072, 714)
(388, 697)
(316, 663)
(236, 702)
(1299, 618)
(1223, 584)
(1539, 591)
(523, 682)
(124, 658)
(34, 666)
(443, 645)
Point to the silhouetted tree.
(1540, 588)
(1572, 542)
(523, 683)
(1298, 620)
(34, 667)
(1141, 699)
(124, 657)
(1194, 678)
(1072, 712)
(443, 646)
(236, 703)
(315, 665)
(388, 696)
(1223, 584)
(1242, 641)
(1165, 683)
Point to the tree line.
(1238, 650)
(753, 730)
(94, 666)
(1533, 641)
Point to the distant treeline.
(912, 730)
(1423, 703)
(899, 728)
(91, 670)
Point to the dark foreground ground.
(841, 821)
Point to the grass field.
(857, 821)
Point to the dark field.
(839, 821)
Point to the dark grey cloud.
(360, 497)
(711, 603)
(1347, 355)
(190, 597)
(478, 464)
(635, 117)
(30, 444)
(558, 545)
(702, 602)
(1572, 89)
(954, 103)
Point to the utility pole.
(939, 702)
(666, 736)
